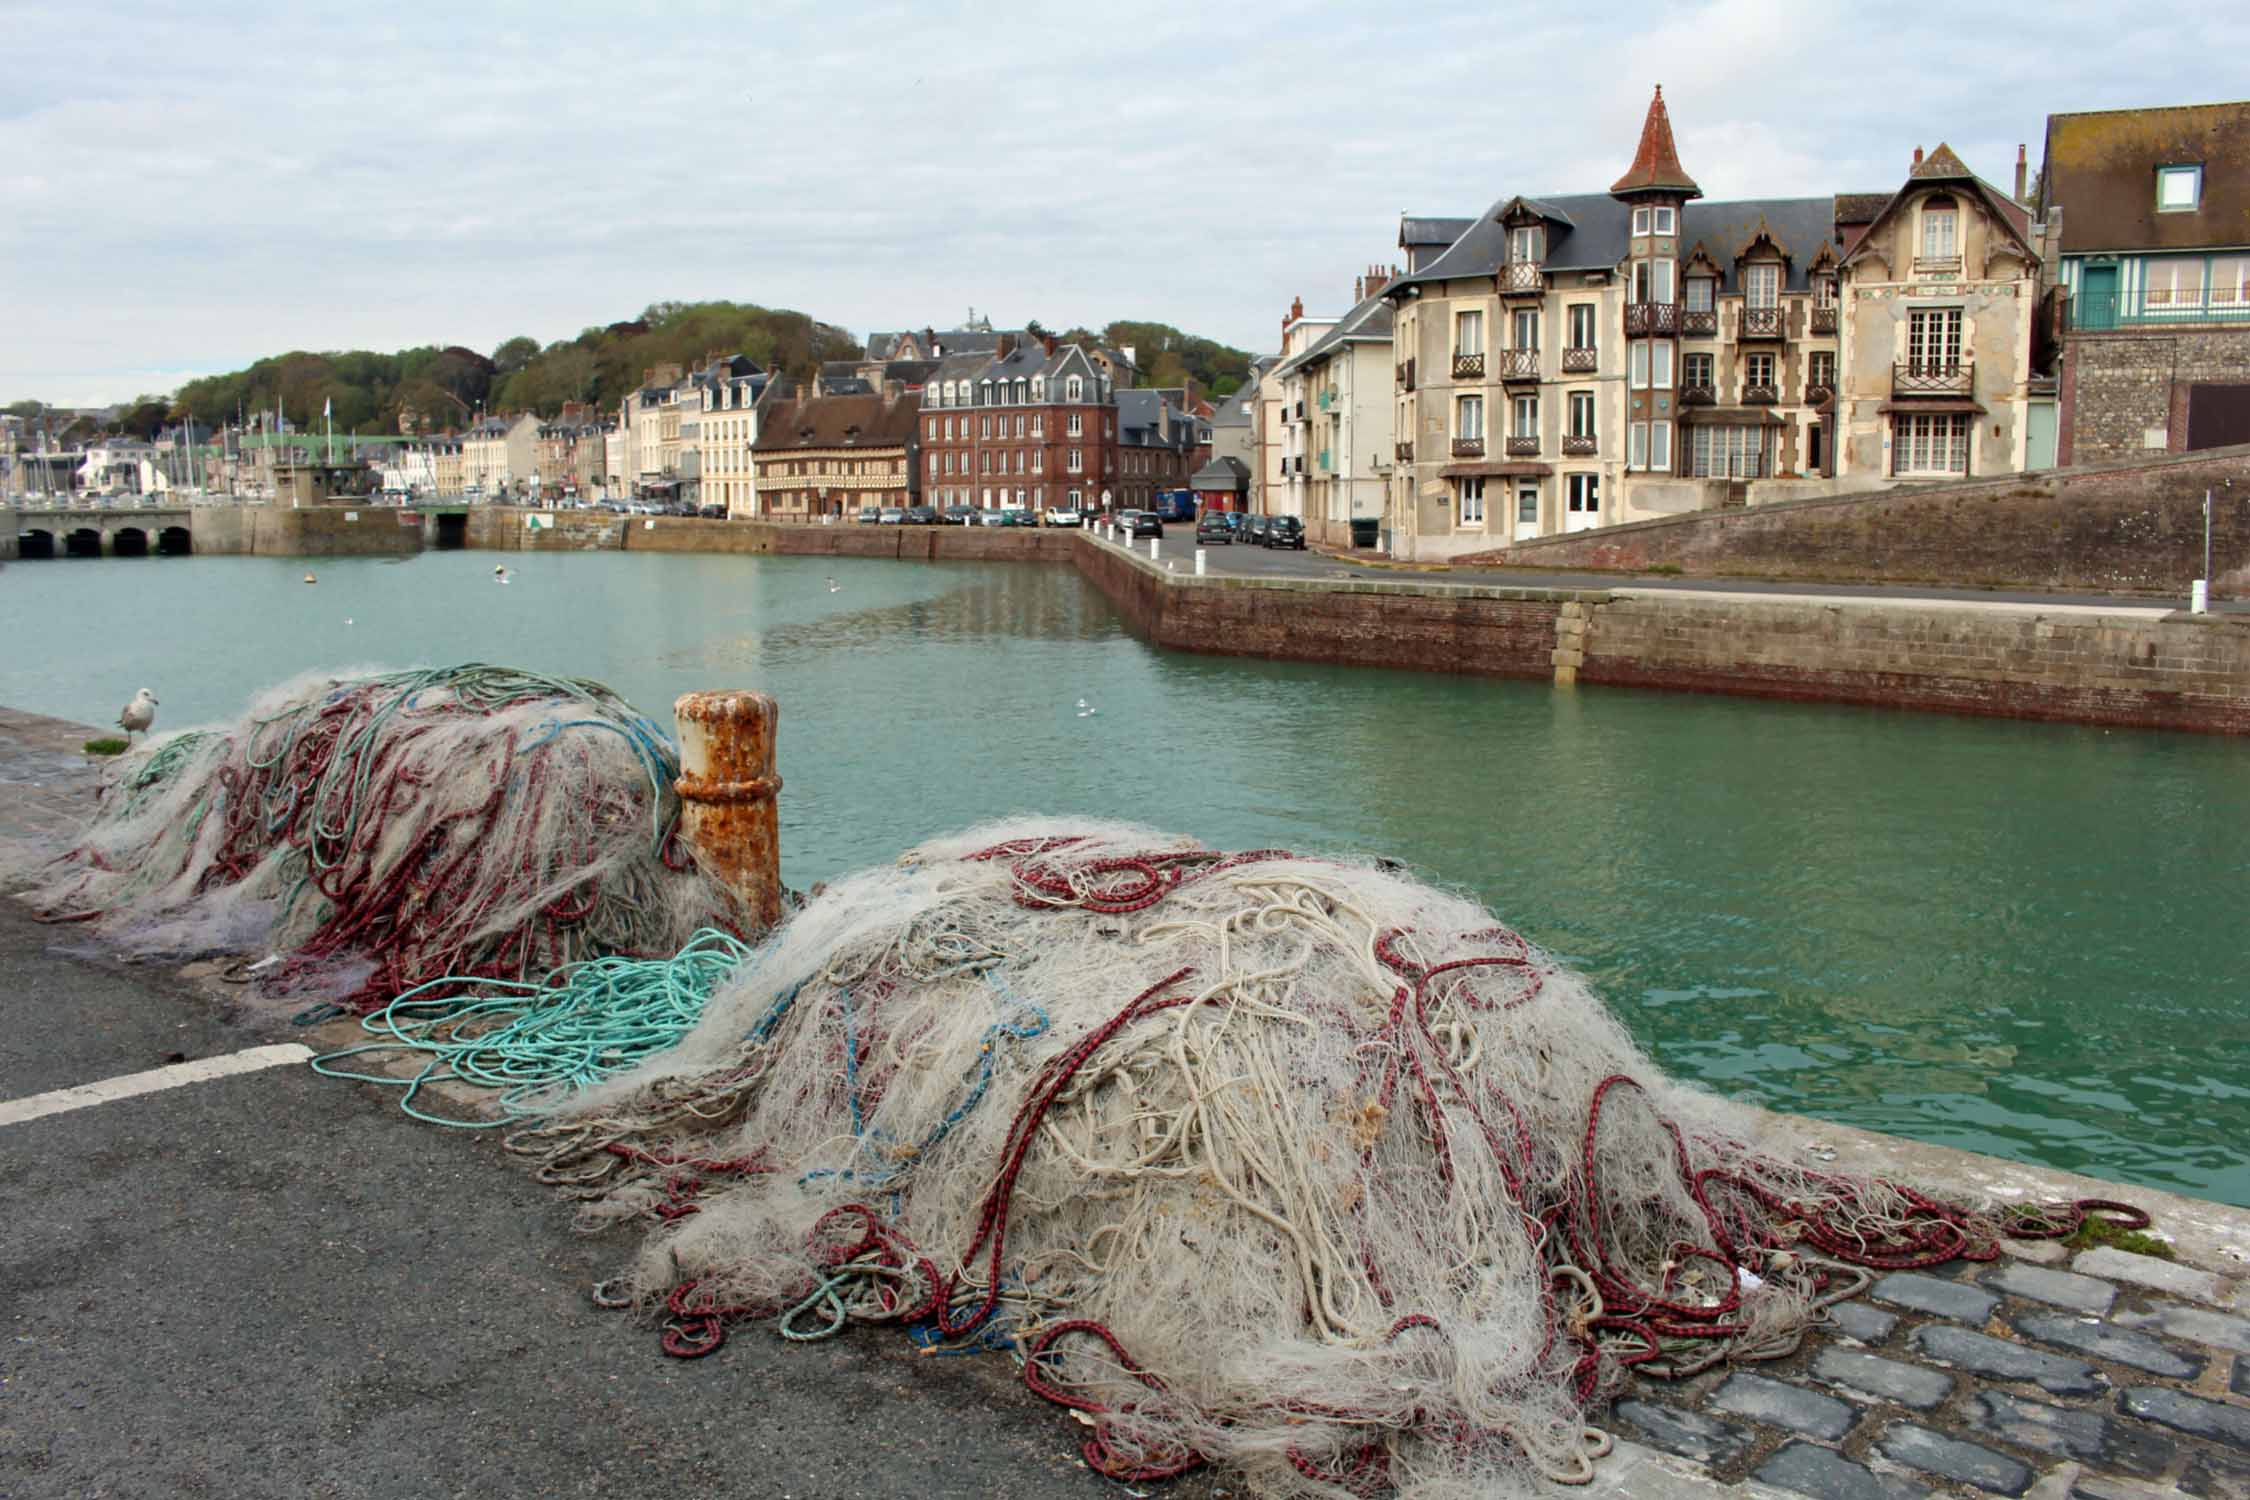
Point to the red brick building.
(1033, 426)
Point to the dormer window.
(1524, 247)
(1074, 389)
(1941, 229)
(1039, 388)
(988, 393)
(2179, 189)
(1699, 294)
(1020, 385)
(1761, 285)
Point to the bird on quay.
(138, 714)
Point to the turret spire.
(1656, 166)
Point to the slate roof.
(1138, 418)
(1416, 231)
(1222, 473)
(953, 340)
(1370, 320)
(1593, 231)
(2100, 167)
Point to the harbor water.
(2028, 940)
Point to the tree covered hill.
(445, 387)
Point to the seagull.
(1081, 703)
(138, 714)
(310, 579)
(500, 575)
(834, 587)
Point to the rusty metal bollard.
(728, 791)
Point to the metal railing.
(1702, 321)
(1580, 361)
(1468, 367)
(1697, 394)
(1523, 447)
(1406, 376)
(1519, 364)
(2093, 312)
(1519, 277)
(1817, 391)
(1579, 445)
(1763, 323)
(1823, 320)
(1643, 318)
(1933, 378)
(1405, 453)
(1760, 395)
(1468, 447)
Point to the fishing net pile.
(381, 832)
(1292, 1164)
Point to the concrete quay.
(273, 1284)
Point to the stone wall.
(2114, 528)
(503, 528)
(2178, 671)
(2126, 393)
(1493, 632)
(2138, 669)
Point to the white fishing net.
(379, 830)
(1292, 1164)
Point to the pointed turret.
(1656, 166)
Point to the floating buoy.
(310, 579)
(499, 570)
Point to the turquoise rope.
(538, 1043)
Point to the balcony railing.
(1468, 447)
(1763, 323)
(1645, 318)
(1405, 453)
(1823, 320)
(1931, 378)
(1818, 392)
(1699, 321)
(1580, 361)
(1937, 265)
(2093, 312)
(1519, 364)
(1579, 445)
(1760, 395)
(1468, 367)
(1523, 447)
(1697, 394)
(1406, 376)
(1521, 278)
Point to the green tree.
(513, 354)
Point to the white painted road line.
(202, 1070)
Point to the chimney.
(1377, 278)
(1917, 156)
(1359, 289)
(2023, 166)
(1048, 339)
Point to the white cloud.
(200, 189)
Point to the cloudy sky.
(183, 189)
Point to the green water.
(2028, 940)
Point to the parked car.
(1064, 515)
(1286, 532)
(921, 515)
(870, 514)
(991, 518)
(958, 515)
(1146, 523)
(714, 513)
(1233, 518)
(1213, 531)
(893, 515)
(1012, 515)
(1253, 532)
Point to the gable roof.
(1368, 322)
(828, 422)
(1942, 168)
(2100, 168)
(1414, 231)
(1656, 164)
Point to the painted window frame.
(1582, 494)
(1583, 414)
(1585, 325)
(2192, 173)
(1469, 498)
(1463, 425)
(1468, 333)
(1761, 284)
(1662, 219)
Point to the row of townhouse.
(1570, 361)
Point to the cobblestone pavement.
(2096, 1376)
(2099, 1376)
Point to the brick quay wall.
(2130, 668)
